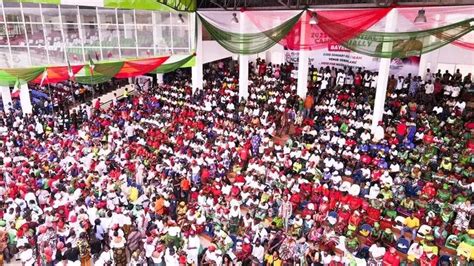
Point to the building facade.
(45, 34)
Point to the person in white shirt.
(258, 252)
(130, 132)
(429, 88)
(376, 252)
(455, 91)
(460, 105)
(378, 132)
(428, 76)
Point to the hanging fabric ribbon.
(10, 76)
(332, 26)
(405, 44)
(57, 74)
(139, 67)
(248, 39)
(438, 16)
(103, 72)
(172, 66)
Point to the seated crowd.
(171, 177)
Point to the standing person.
(185, 186)
(192, 247)
(428, 76)
(429, 91)
(97, 104)
(84, 250)
(413, 88)
(134, 241)
(286, 210)
(332, 82)
(3, 240)
(392, 84)
(308, 105)
(255, 142)
(117, 244)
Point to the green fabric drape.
(250, 43)
(405, 44)
(165, 68)
(9, 76)
(103, 72)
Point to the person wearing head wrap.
(466, 245)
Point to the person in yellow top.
(273, 259)
(412, 223)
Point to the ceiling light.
(420, 18)
(314, 19)
(234, 18)
(180, 18)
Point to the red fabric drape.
(333, 26)
(139, 67)
(438, 17)
(57, 74)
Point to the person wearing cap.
(387, 237)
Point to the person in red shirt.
(391, 258)
(185, 187)
(402, 130)
(358, 80)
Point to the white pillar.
(243, 76)
(159, 78)
(384, 71)
(25, 99)
(303, 69)
(196, 71)
(243, 65)
(303, 64)
(6, 98)
(423, 65)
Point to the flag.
(16, 89)
(69, 71)
(44, 77)
(91, 65)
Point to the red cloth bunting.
(57, 74)
(333, 26)
(139, 67)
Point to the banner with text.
(336, 55)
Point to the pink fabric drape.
(438, 17)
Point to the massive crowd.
(168, 177)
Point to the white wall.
(450, 57)
(213, 51)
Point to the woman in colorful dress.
(84, 249)
(118, 246)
